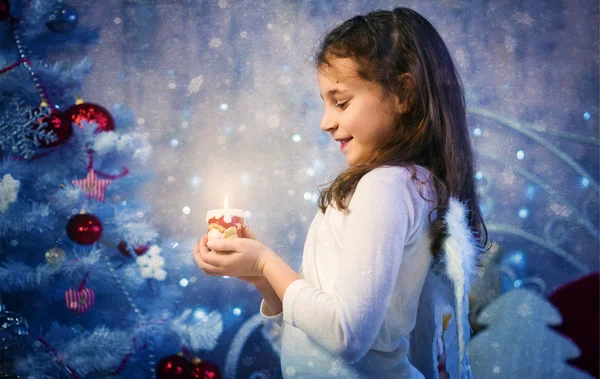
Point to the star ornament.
(92, 185)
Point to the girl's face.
(355, 108)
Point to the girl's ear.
(405, 90)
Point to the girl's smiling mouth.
(345, 142)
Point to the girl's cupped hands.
(231, 257)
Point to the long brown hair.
(403, 53)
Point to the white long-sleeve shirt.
(363, 270)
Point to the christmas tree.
(83, 274)
(517, 342)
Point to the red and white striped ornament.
(92, 185)
(82, 299)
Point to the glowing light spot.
(585, 182)
(523, 213)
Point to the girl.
(368, 299)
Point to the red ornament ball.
(4, 9)
(90, 112)
(126, 251)
(173, 367)
(206, 370)
(61, 128)
(84, 229)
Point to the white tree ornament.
(151, 264)
(9, 188)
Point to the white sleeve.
(278, 318)
(346, 321)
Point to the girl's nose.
(327, 123)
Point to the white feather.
(461, 250)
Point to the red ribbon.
(8, 68)
(58, 356)
(83, 281)
(102, 174)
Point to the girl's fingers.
(208, 268)
(224, 245)
(214, 258)
(204, 260)
(201, 249)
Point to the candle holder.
(225, 223)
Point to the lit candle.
(225, 223)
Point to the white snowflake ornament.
(151, 264)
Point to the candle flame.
(226, 205)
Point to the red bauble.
(206, 370)
(90, 112)
(138, 250)
(4, 9)
(84, 229)
(173, 367)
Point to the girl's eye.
(341, 105)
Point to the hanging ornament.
(204, 369)
(55, 123)
(62, 19)
(82, 299)
(84, 228)
(126, 250)
(90, 112)
(180, 367)
(151, 264)
(4, 9)
(55, 256)
(174, 367)
(21, 129)
(42, 126)
(92, 185)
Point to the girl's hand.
(238, 257)
(257, 281)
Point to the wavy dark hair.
(403, 53)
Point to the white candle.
(225, 228)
